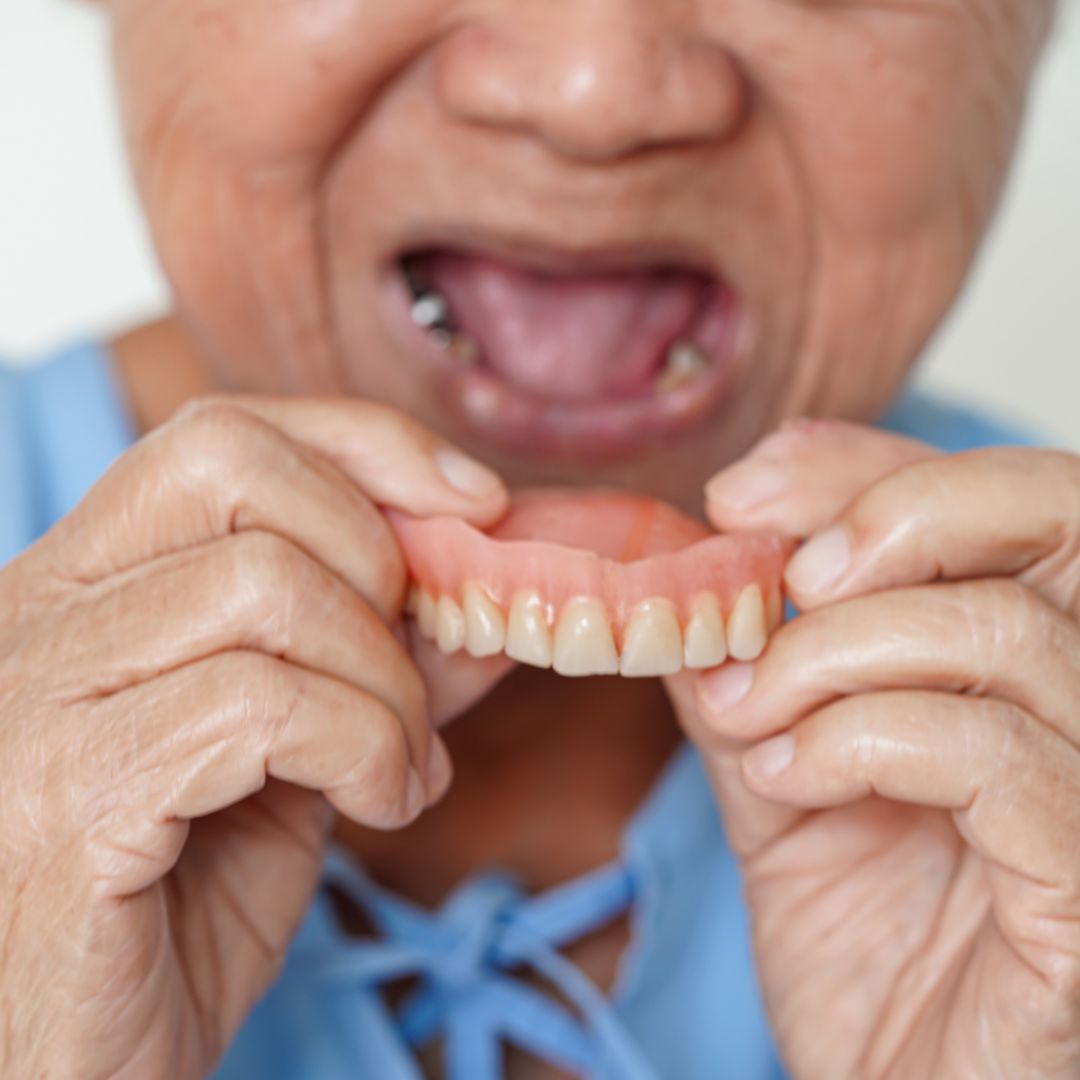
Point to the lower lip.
(501, 414)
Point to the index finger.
(397, 462)
(799, 479)
(308, 471)
(984, 513)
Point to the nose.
(595, 80)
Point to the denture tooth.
(652, 644)
(584, 644)
(430, 310)
(706, 640)
(449, 625)
(746, 625)
(485, 625)
(425, 614)
(528, 639)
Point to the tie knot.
(470, 927)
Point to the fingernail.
(415, 796)
(749, 485)
(465, 474)
(820, 564)
(439, 769)
(724, 688)
(772, 757)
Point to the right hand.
(197, 667)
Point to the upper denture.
(579, 579)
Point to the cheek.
(233, 113)
(899, 117)
(899, 125)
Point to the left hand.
(900, 771)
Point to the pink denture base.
(562, 544)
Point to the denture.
(592, 583)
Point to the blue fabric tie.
(464, 953)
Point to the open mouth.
(596, 362)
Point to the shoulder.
(62, 422)
(953, 426)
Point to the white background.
(74, 259)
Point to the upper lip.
(570, 256)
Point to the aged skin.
(832, 165)
(835, 162)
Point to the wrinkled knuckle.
(210, 411)
(220, 428)
(251, 683)
(273, 573)
(1010, 597)
(884, 512)
(267, 561)
(1010, 746)
(1006, 607)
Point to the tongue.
(576, 337)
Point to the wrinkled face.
(589, 240)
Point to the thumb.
(397, 462)
(454, 683)
(750, 821)
(801, 478)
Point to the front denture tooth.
(449, 626)
(746, 625)
(684, 362)
(425, 614)
(652, 644)
(528, 639)
(485, 625)
(430, 310)
(584, 644)
(706, 641)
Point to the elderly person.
(638, 240)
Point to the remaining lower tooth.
(685, 362)
(449, 626)
(746, 625)
(652, 644)
(412, 600)
(706, 642)
(485, 625)
(583, 641)
(425, 614)
(430, 310)
(528, 639)
(465, 350)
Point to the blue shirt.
(686, 1003)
